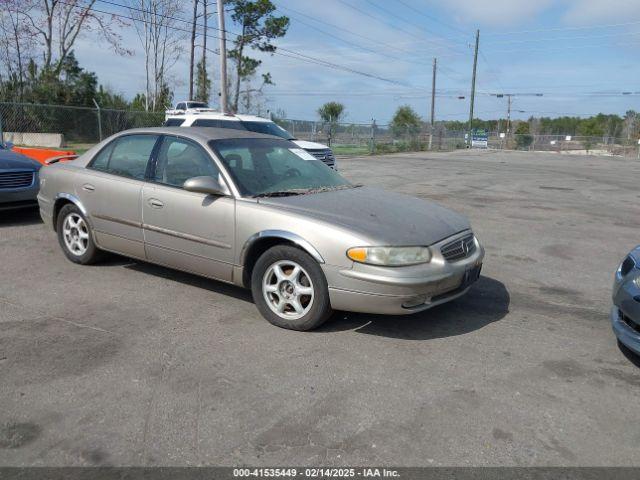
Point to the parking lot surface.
(126, 363)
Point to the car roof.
(202, 134)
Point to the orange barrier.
(44, 154)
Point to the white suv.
(188, 107)
(251, 123)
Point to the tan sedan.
(259, 212)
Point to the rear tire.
(75, 236)
(290, 289)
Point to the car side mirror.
(205, 184)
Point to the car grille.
(459, 249)
(16, 179)
(628, 265)
(325, 155)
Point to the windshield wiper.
(331, 189)
(282, 193)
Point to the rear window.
(197, 105)
(174, 122)
(209, 122)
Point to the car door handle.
(88, 187)
(154, 202)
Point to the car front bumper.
(625, 313)
(625, 331)
(19, 198)
(403, 290)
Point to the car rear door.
(110, 188)
(187, 230)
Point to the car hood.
(384, 217)
(310, 145)
(11, 160)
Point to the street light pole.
(433, 102)
(473, 85)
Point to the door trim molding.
(129, 223)
(186, 236)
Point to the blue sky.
(580, 54)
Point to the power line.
(434, 19)
(564, 29)
(559, 49)
(288, 53)
(393, 15)
(377, 19)
(355, 34)
(348, 42)
(555, 39)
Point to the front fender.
(291, 237)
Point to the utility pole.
(223, 57)
(473, 85)
(508, 113)
(193, 48)
(433, 101)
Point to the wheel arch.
(260, 242)
(63, 199)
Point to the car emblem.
(465, 248)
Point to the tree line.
(38, 39)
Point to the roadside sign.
(567, 138)
(553, 142)
(479, 139)
(502, 135)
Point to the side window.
(101, 160)
(130, 155)
(180, 106)
(180, 160)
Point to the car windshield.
(268, 128)
(270, 167)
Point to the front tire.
(290, 289)
(75, 236)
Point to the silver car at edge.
(625, 313)
(259, 212)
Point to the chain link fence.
(29, 123)
(80, 127)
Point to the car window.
(130, 155)
(179, 160)
(180, 106)
(210, 122)
(101, 160)
(174, 122)
(262, 166)
(197, 105)
(268, 128)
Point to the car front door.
(110, 188)
(187, 230)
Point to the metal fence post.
(373, 136)
(1, 131)
(99, 119)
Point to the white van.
(251, 123)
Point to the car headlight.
(636, 282)
(390, 256)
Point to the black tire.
(319, 310)
(88, 256)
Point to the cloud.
(585, 12)
(496, 12)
